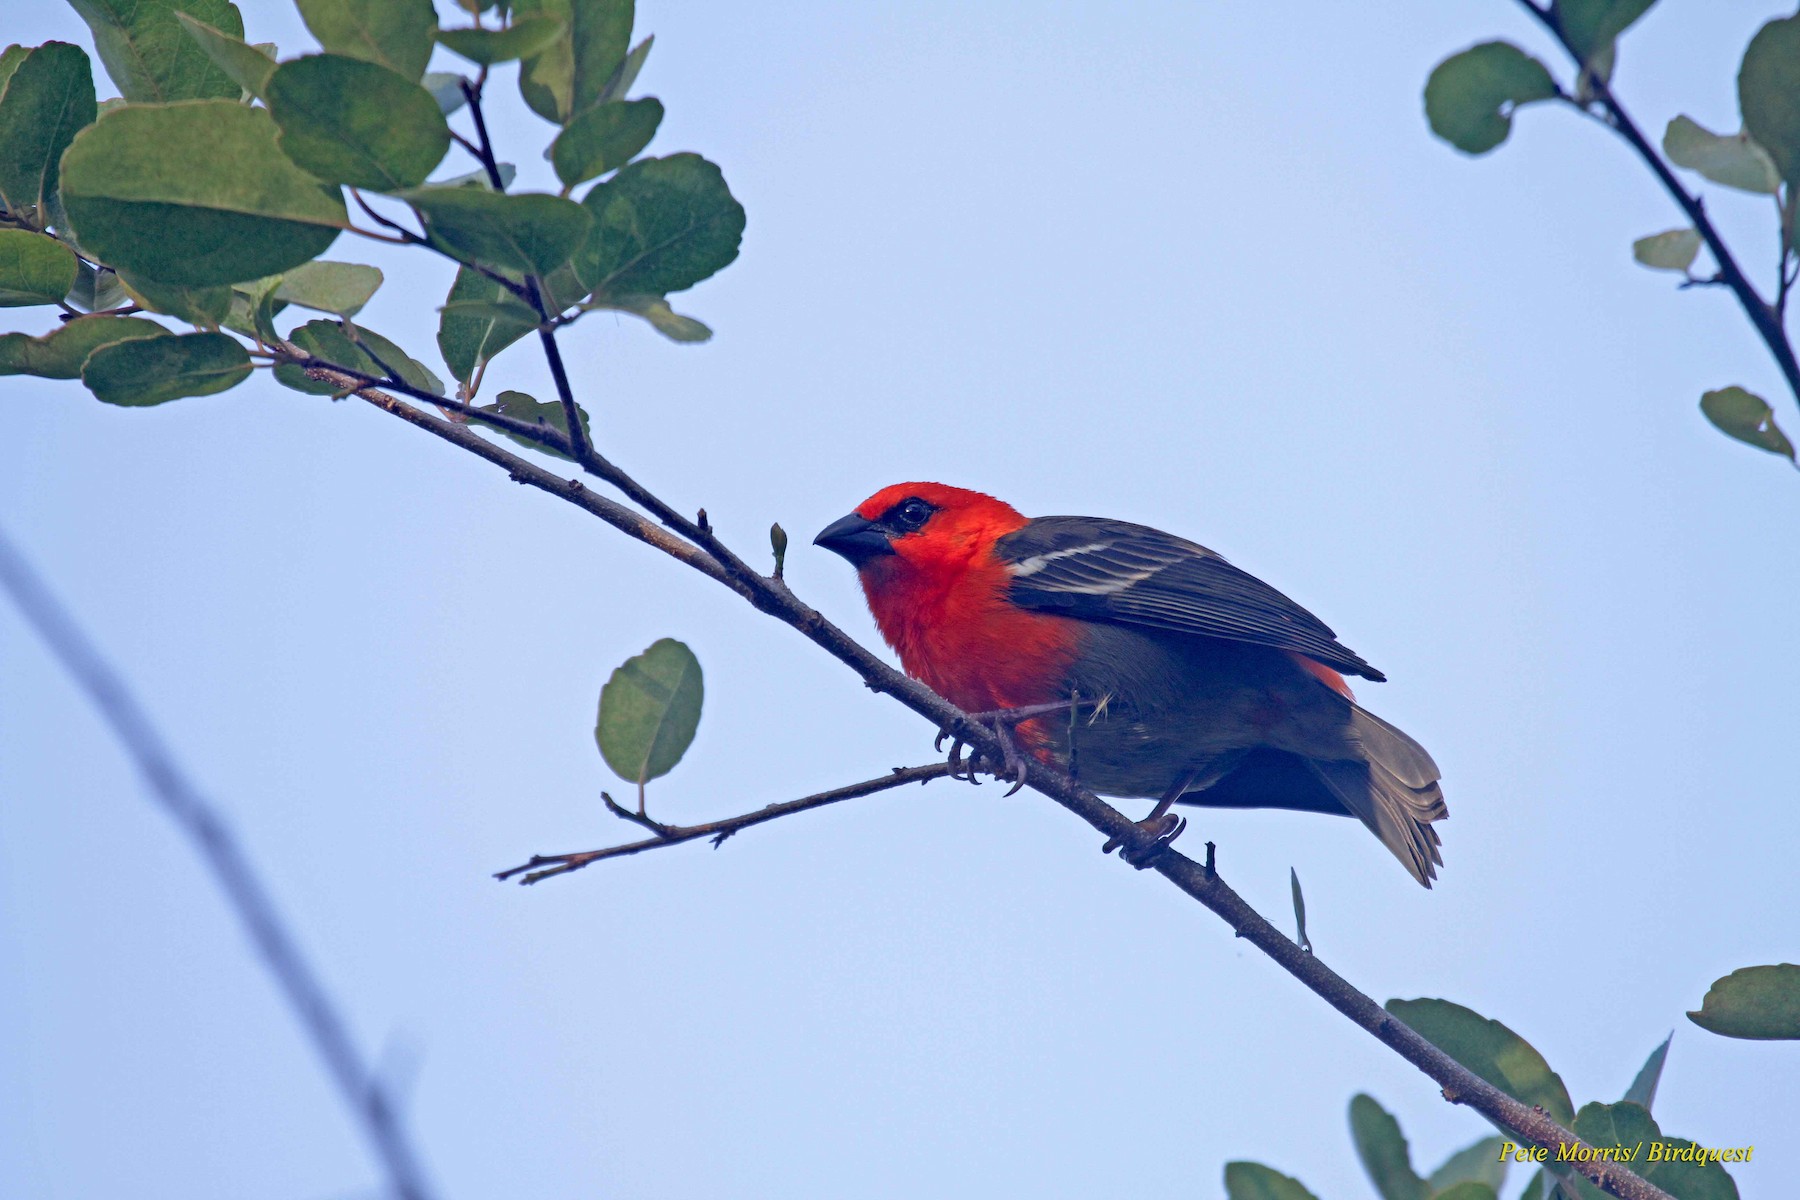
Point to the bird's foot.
(1012, 764)
(1158, 829)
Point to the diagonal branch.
(248, 896)
(544, 866)
(1766, 318)
(1201, 882)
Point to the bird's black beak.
(857, 539)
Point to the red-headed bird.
(1194, 682)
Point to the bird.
(1152, 667)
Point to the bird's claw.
(1160, 830)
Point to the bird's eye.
(912, 514)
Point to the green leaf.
(571, 74)
(254, 307)
(627, 74)
(525, 38)
(48, 100)
(1490, 1050)
(196, 305)
(355, 122)
(478, 178)
(662, 318)
(527, 232)
(1748, 418)
(1733, 160)
(333, 287)
(96, 289)
(35, 268)
(1663, 1161)
(1300, 937)
(1382, 1149)
(1769, 93)
(248, 66)
(1673, 250)
(525, 408)
(397, 34)
(10, 58)
(151, 57)
(152, 370)
(604, 138)
(1591, 25)
(1253, 1181)
(1470, 97)
(60, 353)
(1478, 1163)
(660, 225)
(1467, 1190)
(468, 339)
(329, 340)
(446, 88)
(195, 194)
(649, 710)
(1643, 1088)
(1761, 1003)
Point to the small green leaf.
(1669, 1167)
(661, 225)
(1748, 418)
(1643, 1088)
(48, 100)
(254, 307)
(1300, 937)
(1478, 1163)
(526, 408)
(468, 338)
(1253, 1181)
(1383, 1151)
(604, 138)
(778, 543)
(333, 287)
(368, 354)
(1470, 97)
(394, 33)
(1489, 1049)
(151, 57)
(1591, 25)
(662, 318)
(153, 370)
(195, 305)
(1760, 1003)
(355, 122)
(248, 66)
(526, 232)
(195, 194)
(35, 268)
(96, 289)
(523, 39)
(1673, 250)
(649, 710)
(446, 88)
(60, 353)
(10, 58)
(1733, 160)
(627, 74)
(1769, 93)
(571, 74)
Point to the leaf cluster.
(207, 192)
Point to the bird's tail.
(1393, 790)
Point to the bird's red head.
(928, 528)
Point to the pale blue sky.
(1198, 265)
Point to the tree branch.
(1198, 881)
(544, 866)
(218, 847)
(1763, 317)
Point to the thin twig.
(1196, 880)
(544, 866)
(1765, 318)
(249, 897)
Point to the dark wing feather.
(1099, 570)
